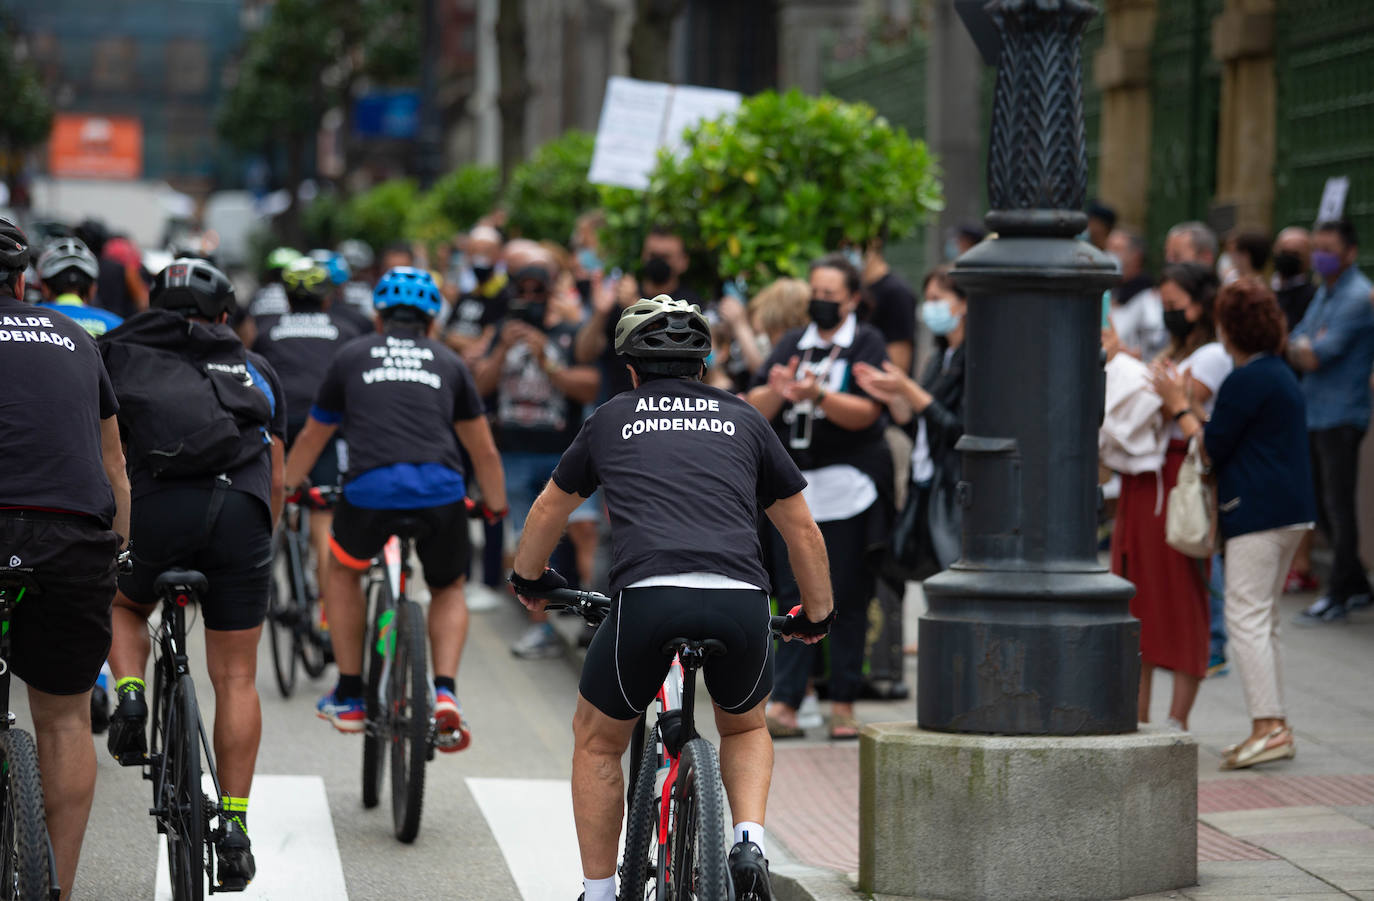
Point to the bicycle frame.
(393, 567)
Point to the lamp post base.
(1025, 818)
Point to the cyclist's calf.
(231, 658)
(746, 761)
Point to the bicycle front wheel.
(409, 714)
(24, 846)
(281, 618)
(640, 866)
(182, 798)
(698, 870)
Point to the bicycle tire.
(409, 715)
(281, 635)
(699, 870)
(24, 872)
(313, 640)
(185, 802)
(641, 828)
(374, 733)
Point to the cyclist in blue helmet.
(333, 263)
(406, 403)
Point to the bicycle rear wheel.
(281, 617)
(409, 715)
(639, 869)
(698, 870)
(24, 846)
(182, 798)
(379, 598)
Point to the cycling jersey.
(269, 300)
(56, 392)
(684, 468)
(94, 320)
(397, 396)
(299, 345)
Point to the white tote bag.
(1190, 520)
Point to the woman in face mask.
(834, 432)
(1171, 599)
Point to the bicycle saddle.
(175, 581)
(706, 647)
(410, 527)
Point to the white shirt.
(1139, 324)
(694, 580)
(1210, 364)
(837, 492)
(843, 337)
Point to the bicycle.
(399, 694)
(28, 868)
(293, 611)
(673, 839)
(173, 763)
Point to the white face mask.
(938, 317)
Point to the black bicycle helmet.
(14, 248)
(193, 288)
(662, 328)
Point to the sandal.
(1260, 750)
(843, 728)
(778, 729)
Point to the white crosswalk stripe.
(293, 843)
(532, 821)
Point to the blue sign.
(387, 114)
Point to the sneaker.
(128, 742)
(100, 710)
(539, 642)
(1322, 610)
(1297, 582)
(235, 852)
(454, 734)
(345, 714)
(1358, 601)
(809, 714)
(1217, 666)
(482, 597)
(749, 871)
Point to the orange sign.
(95, 146)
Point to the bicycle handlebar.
(593, 607)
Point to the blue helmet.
(334, 264)
(406, 286)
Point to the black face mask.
(657, 271)
(482, 273)
(584, 289)
(825, 313)
(1176, 321)
(530, 312)
(1287, 264)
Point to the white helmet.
(64, 254)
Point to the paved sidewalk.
(1294, 829)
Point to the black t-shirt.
(892, 308)
(112, 289)
(615, 378)
(475, 311)
(253, 477)
(397, 396)
(834, 366)
(684, 468)
(299, 345)
(532, 416)
(55, 394)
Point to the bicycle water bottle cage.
(671, 731)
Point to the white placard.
(1333, 199)
(640, 117)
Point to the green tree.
(379, 215)
(764, 190)
(550, 190)
(454, 204)
(26, 114)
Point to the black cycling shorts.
(327, 470)
(171, 529)
(625, 664)
(60, 633)
(441, 543)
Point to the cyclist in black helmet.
(176, 367)
(670, 453)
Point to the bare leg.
(448, 627)
(321, 525)
(1185, 693)
(598, 786)
(130, 645)
(1147, 677)
(232, 658)
(66, 757)
(583, 536)
(1263, 727)
(343, 605)
(746, 762)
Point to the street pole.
(1027, 634)
(430, 149)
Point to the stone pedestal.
(982, 816)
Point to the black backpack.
(189, 403)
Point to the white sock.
(599, 889)
(755, 831)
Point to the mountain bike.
(28, 869)
(293, 611)
(400, 696)
(184, 814)
(674, 844)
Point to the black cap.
(14, 247)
